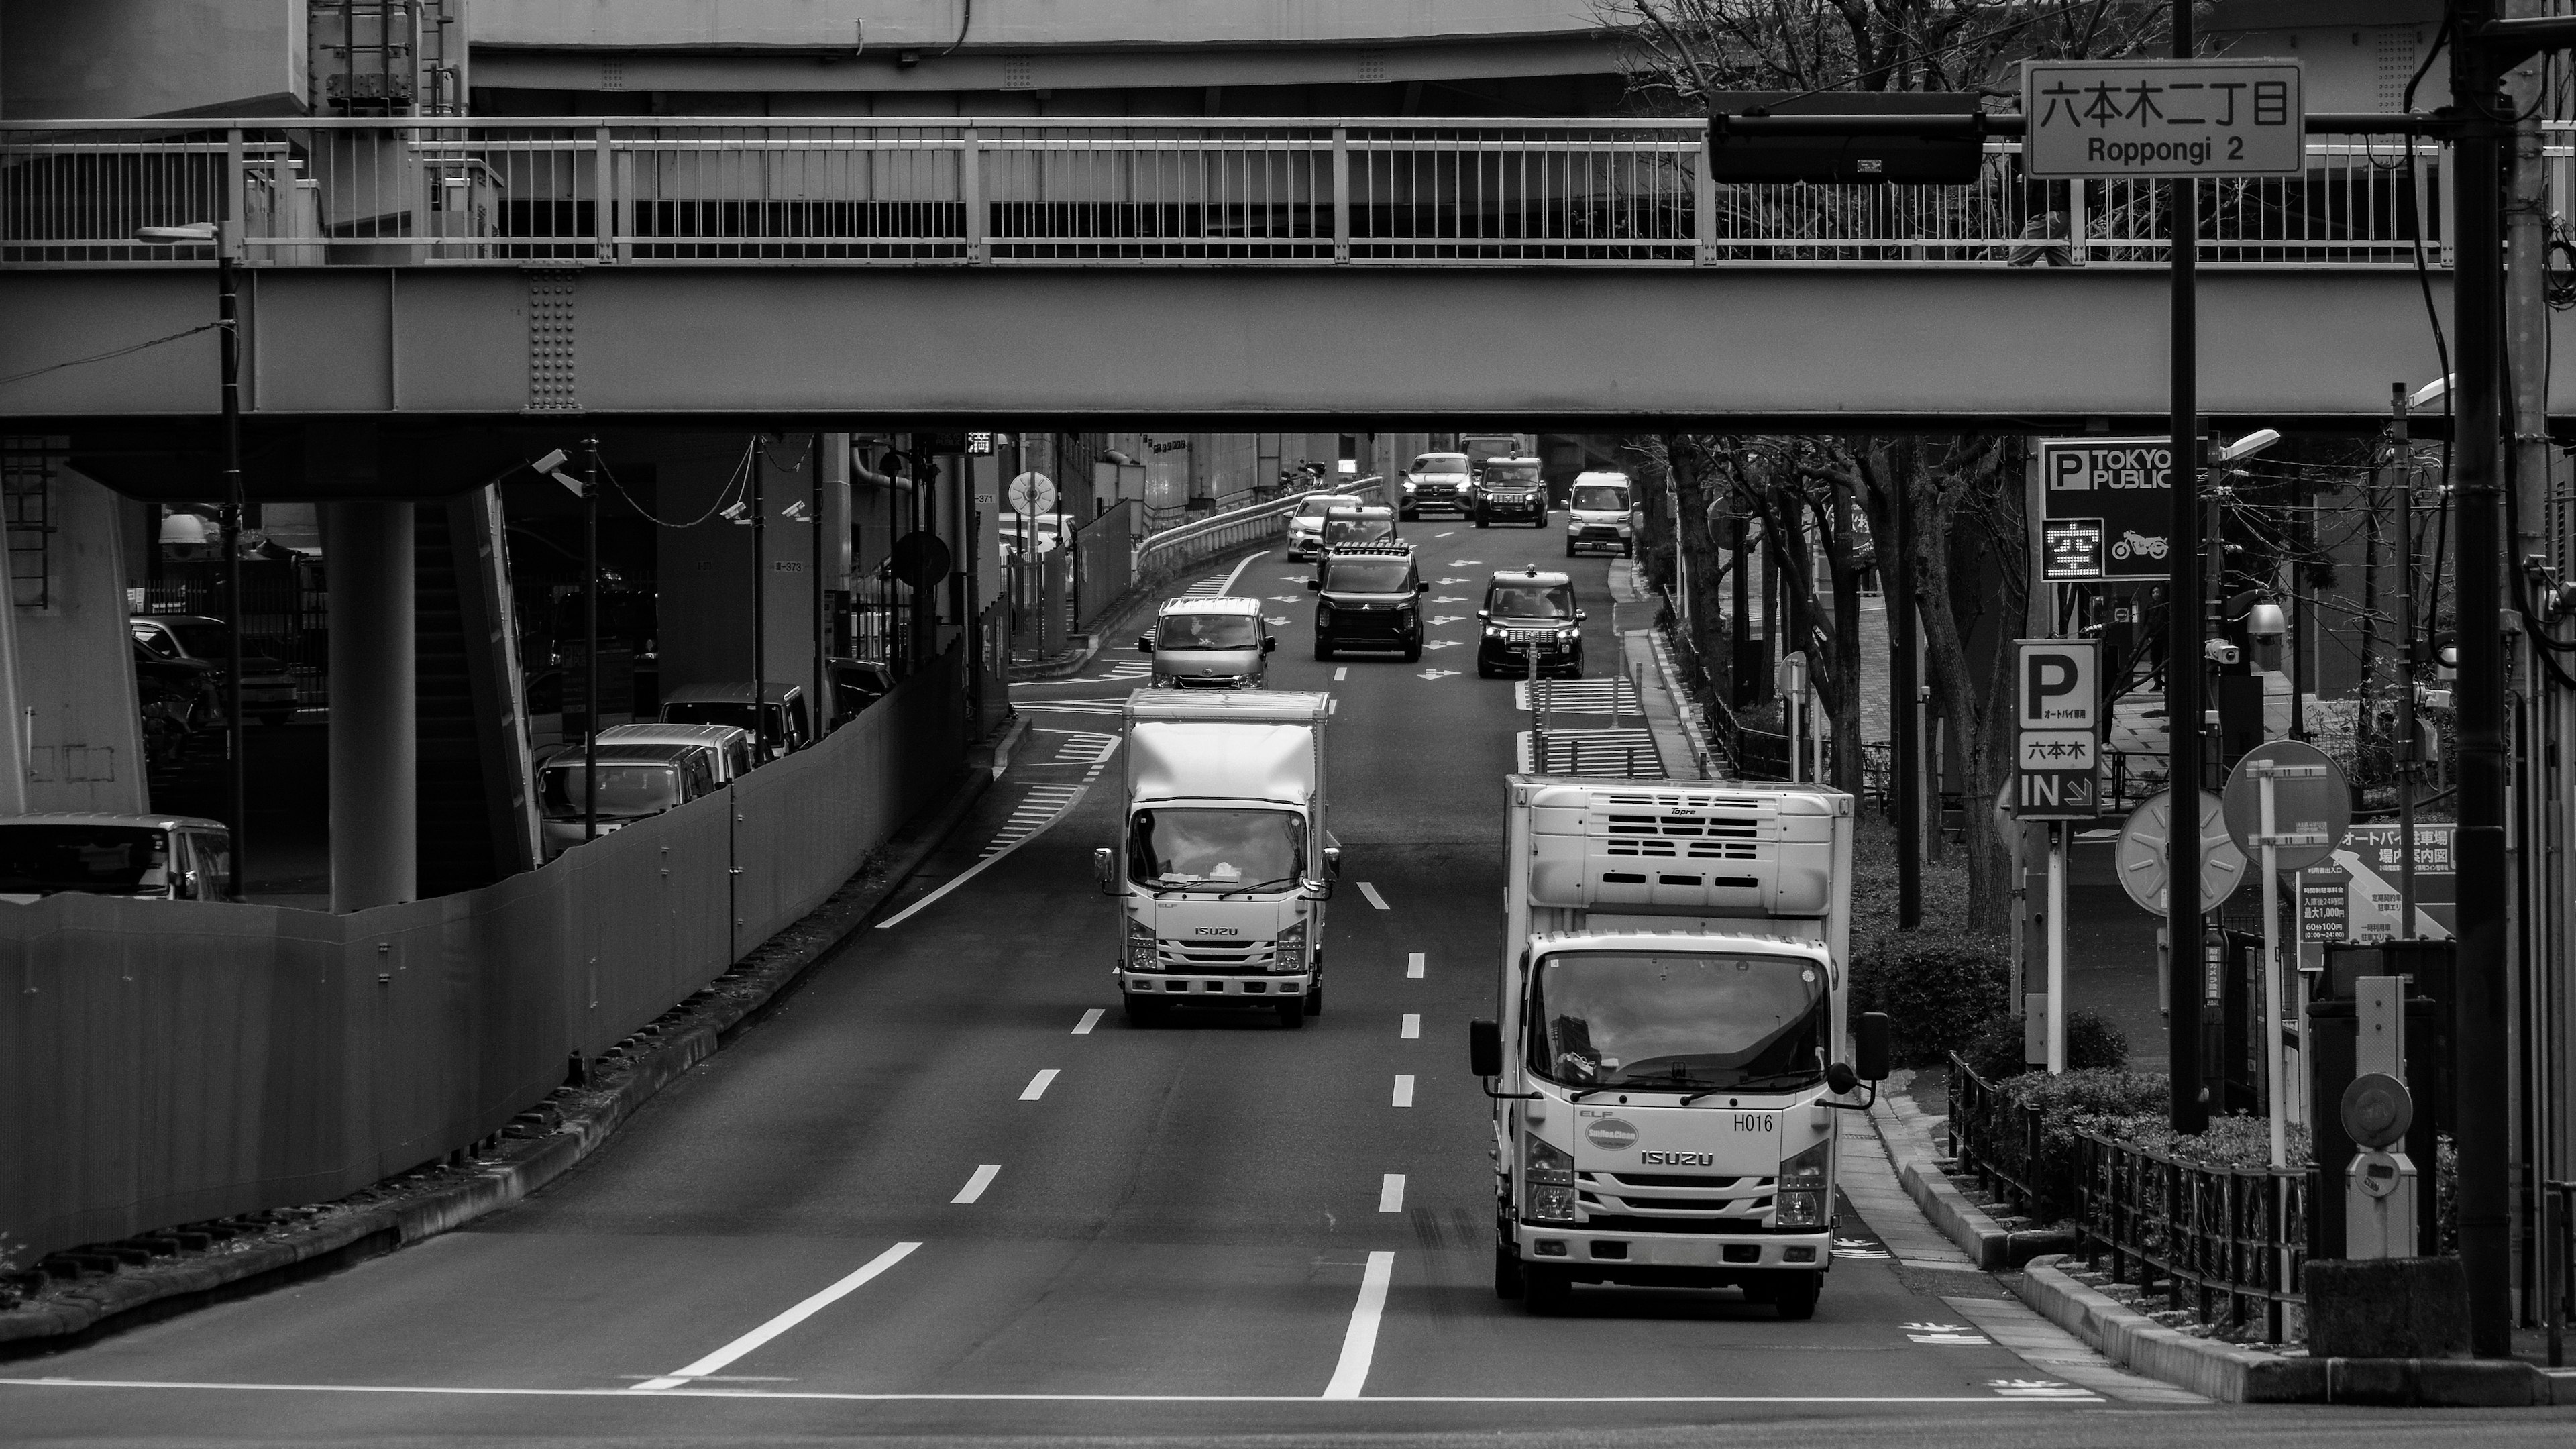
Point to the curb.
(1987, 1243)
(2234, 1375)
(667, 1048)
(1684, 708)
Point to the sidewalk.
(1681, 742)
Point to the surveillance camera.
(2220, 651)
(2265, 621)
(549, 462)
(736, 513)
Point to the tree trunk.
(1706, 558)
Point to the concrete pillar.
(74, 734)
(375, 793)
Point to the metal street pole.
(228, 311)
(822, 703)
(1906, 767)
(2406, 657)
(2190, 1107)
(590, 639)
(2483, 961)
(2057, 832)
(760, 601)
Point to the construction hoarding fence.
(165, 1062)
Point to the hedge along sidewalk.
(1988, 1244)
(568, 1127)
(2236, 1375)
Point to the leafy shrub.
(1937, 988)
(1994, 1053)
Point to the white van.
(1597, 514)
(1210, 644)
(728, 747)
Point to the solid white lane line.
(1038, 1084)
(1228, 586)
(1977, 1401)
(1413, 966)
(783, 1322)
(1341, 674)
(972, 871)
(1412, 1030)
(1390, 1193)
(1359, 1341)
(1404, 1091)
(975, 1185)
(1089, 1020)
(1374, 898)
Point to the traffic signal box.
(2331, 1032)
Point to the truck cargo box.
(1255, 746)
(1721, 849)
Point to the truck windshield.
(1530, 601)
(1207, 849)
(1600, 498)
(1673, 1022)
(107, 859)
(625, 791)
(1208, 631)
(1367, 576)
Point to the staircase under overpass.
(1574, 274)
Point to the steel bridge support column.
(374, 732)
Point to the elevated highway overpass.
(1575, 274)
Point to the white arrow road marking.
(1437, 674)
(1286, 599)
(1390, 1193)
(1439, 643)
(1403, 1092)
(1412, 1028)
(1038, 1084)
(1359, 1342)
(1449, 581)
(1413, 966)
(1274, 619)
(976, 1184)
(1374, 898)
(1089, 1020)
(1956, 1334)
(1446, 599)
(1447, 619)
(1464, 563)
(789, 1319)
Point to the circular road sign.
(2314, 805)
(2377, 1109)
(1032, 493)
(920, 559)
(2142, 861)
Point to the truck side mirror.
(1485, 1047)
(1580, 616)
(1104, 867)
(1421, 586)
(1144, 643)
(1869, 1044)
(1314, 586)
(1269, 643)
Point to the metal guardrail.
(1997, 1142)
(1159, 556)
(2224, 1242)
(1323, 192)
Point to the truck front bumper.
(1716, 1254)
(1216, 990)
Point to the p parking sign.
(2057, 687)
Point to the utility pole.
(2409, 652)
(822, 701)
(760, 602)
(2483, 963)
(590, 639)
(236, 748)
(2190, 1107)
(1905, 774)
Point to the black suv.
(1529, 610)
(1371, 599)
(1511, 489)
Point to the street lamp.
(226, 237)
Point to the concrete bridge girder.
(1821, 347)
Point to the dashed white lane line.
(1341, 674)
(783, 1322)
(1404, 1091)
(1390, 1193)
(1359, 1341)
(1374, 898)
(1089, 1020)
(1412, 1028)
(976, 1184)
(1413, 966)
(1038, 1084)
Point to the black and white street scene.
(1288, 722)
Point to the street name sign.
(2057, 685)
(2151, 118)
(2106, 506)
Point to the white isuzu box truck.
(1223, 861)
(1665, 1068)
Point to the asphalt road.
(944, 1193)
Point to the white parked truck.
(1665, 1072)
(1223, 862)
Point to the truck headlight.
(1140, 947)
(1547, 1180)
(1800, 1210)
(1290, 952)
(1806, 1180)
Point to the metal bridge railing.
(1362, 191)
(1159, 556)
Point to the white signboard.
(2146, 118)
(2057, 750)
(2055, 684)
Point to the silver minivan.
(1210, 644)
(140, 857)
(728, 747)
(636, 781)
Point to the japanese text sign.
(2057, 687)
(2144, 118)
(2120, 491)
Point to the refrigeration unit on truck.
(1666, 1070)
(1223, 863)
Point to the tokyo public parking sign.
(2115, 492)
(2143, 118)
